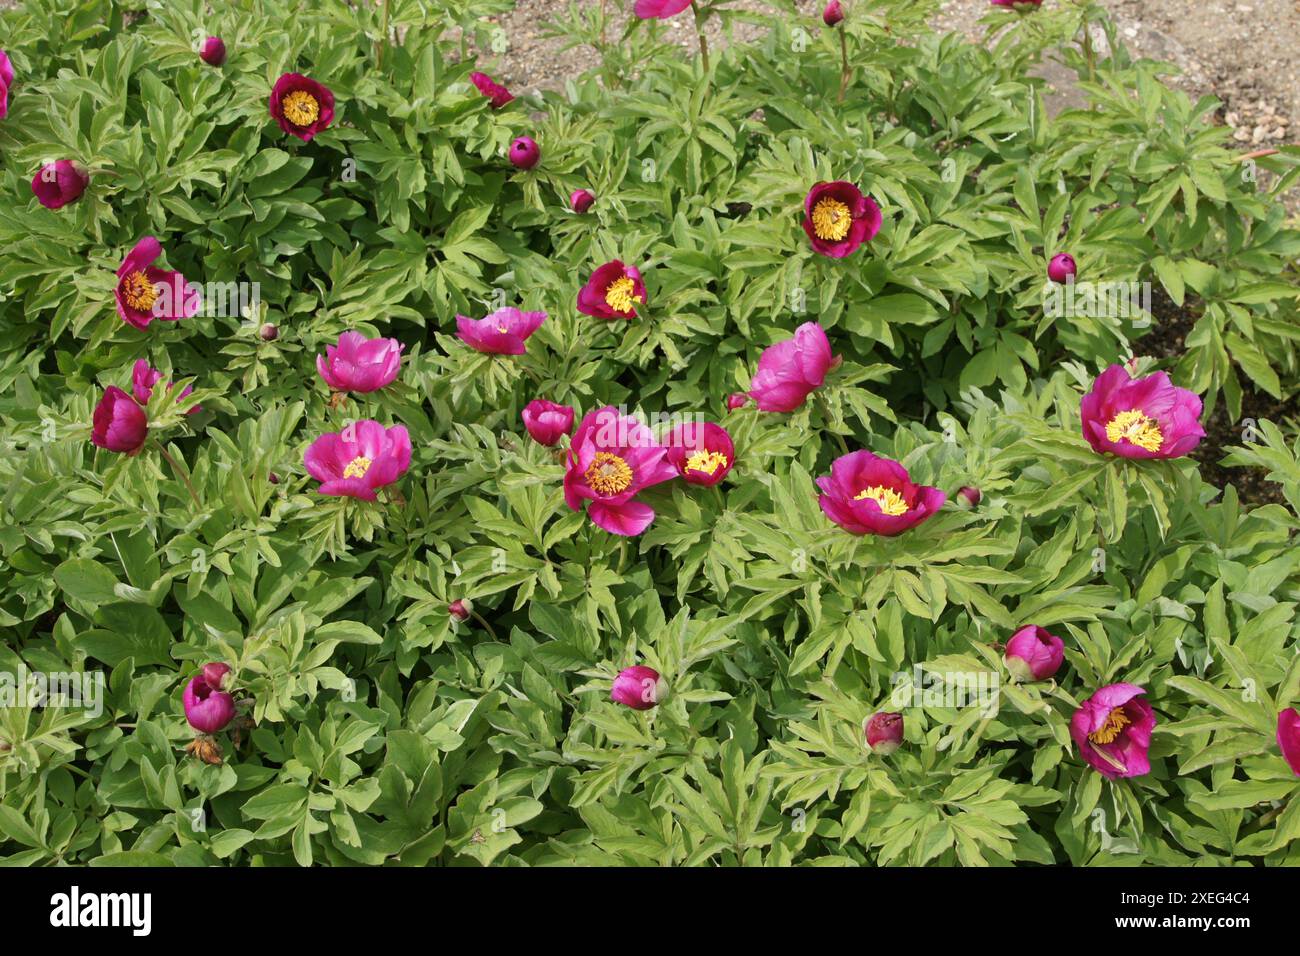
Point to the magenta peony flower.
(59, 183)
(504, 332)
(865, 494)
(547, 422)
(701, 453)
(580, 200)
(1288, 738)
(969, 496)
(1033, 654)
(525, 153)
(659, 9)
(6, 81)
(118, 423)
(833, 13)
(459, 610)
(613, 292)
(838, 218)
(144, 378)
(361, 458)
(884, 732)
(790, 370)
(1113, 730)
(1062, 267)
(638, 687)
(358, 364)
(208, 708)
(145, 293)
(1140, 418)
(213, 52)
(737, 400)
(611, 458)
(498, 94)
(301, 106)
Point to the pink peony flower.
(1288, 738)
(611, 458)
(144, 378)
(1033, 654)
(361, 458)
(1140, 418)
(547, 422)
(1061, 268)
(59, 183)
(525, 153)
(865, 494)
(358, 364)
(504, 332)
(884, 732)
(498, 94)
(208, 708)
(118, 423)
(613, 292)
(6, 81)
(145, 293)
(659, 9)
(833, 13)
(301, 106)
(213, 52)
(838, 218)
(701, 453)
(580, 200)
(790, 370)
(1113, 731)
(638, 687)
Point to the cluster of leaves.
(384, 732)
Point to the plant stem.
(844, 61)
(486, 626)
(699, 34)
(383, 40)
(180, 472)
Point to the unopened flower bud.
(1033, 654)
(884, 732)
(638, 687)
(833, 13)
(580, 200)
(1061, 268)
(459, 609)
(971, 496)
(524, 152)
(269, 332)
(737, 400)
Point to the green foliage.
(384, 733)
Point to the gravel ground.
(1245, 53)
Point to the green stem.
(844, 60)
(180, 472)
(383, 39)
(699, 35)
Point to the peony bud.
(833, 13)
(459, 609)
(1288, 738)
(737, 400)
(272, 477)
(580, 200)
(217, 676)
(213, 52)
(525, 153)
(546, 421)
(269, 332)
(638, 687)
(884, 732)
(59, 183)
(119, 423)
(1033, 654)
(207, 707)
(971, 496)
(1061, 268)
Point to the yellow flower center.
(831, 219)
(619, 295)
(609, 474)
(1116, 721)
(300, 108)
(357, 467)
(707, 461)
(139, 292)
(1136, 429)
(888, 500)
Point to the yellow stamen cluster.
(609, 474)
(357, 467)
(300, 108)
(619, 296)
(1136, 428)
(139, 292)
(707, 462)
(888, 500)
(831, 219)
(1116, 721)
